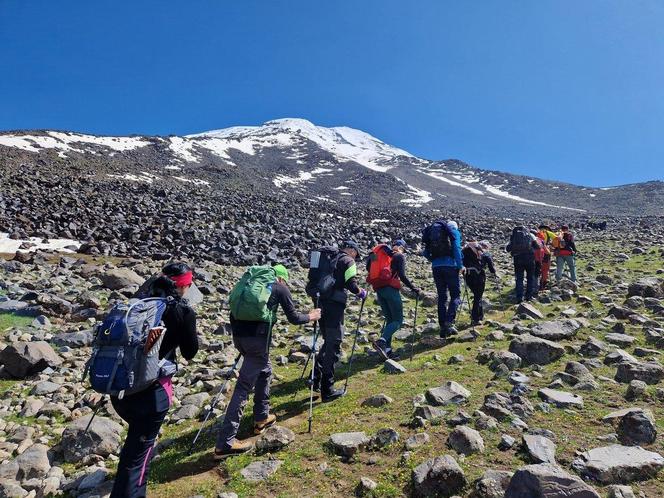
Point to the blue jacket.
(454, 261)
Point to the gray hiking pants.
(255, 373)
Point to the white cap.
(453, 224)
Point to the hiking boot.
(332, 395)
(259, 427)
(451, 330)
(237, 448)
(392, 355)
(381, 348)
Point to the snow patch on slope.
(70, 142)
(506, 195)
(302, 176)
(419, 197)
(10, 246)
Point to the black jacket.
(471, 260)
(180, 322)
(280, 296)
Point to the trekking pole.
(412, 339)
(313, 369)
(470, 311)
(101, 403)
(306, 363)
(214, 402)
(352, 351)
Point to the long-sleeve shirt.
(280, 296)
(346, 275)
(456, 259)
(180, 322)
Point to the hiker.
(251, 338)
(565, 251)
(442, 246)
(546, 236)
(522, 247)
(329, 281)
(476, 258)
(387, 271)
(540, 252)
(145, 411)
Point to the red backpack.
(380, 268)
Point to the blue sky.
(559, 89)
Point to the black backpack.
(322, 269)
(521, 242)
(438, 240)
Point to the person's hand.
(417, 291)
(314, 315)
(362, 294)
(462, 270)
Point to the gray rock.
(365, 487)
(393, 367)
(119, 278)
(417, 440)
(615, 416)
(546, 480)
(647, 287)
(636, 390)
(449, 393)
(510, 360)
(504, 406)
(95, 477)
(616, 464)
(260, 470)
(556, 330)
(33, 463)
(11, 489)
(533, 350)
(185, 412)
(275, 438)
(637, 428)
(466, 441)
(619, 491)
(440, 476)
(507, 442)
(539, 449)
(592, 348)
(45, 387)
(619, 339)
(650, 373)
(429, 413)
(377, 401)
(103, 438)
(73, 339)
(348, 444)
(529, 310)
(561, 399)
(384, 437)
(492, 484)
(27, 358)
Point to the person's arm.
(188, 337)
(349, 269)
(285, 300)
(572, 244)
(488, 260)
(399, 267)
(456, 250)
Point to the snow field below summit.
(70, 142)
(303, 176)
(505, 195)
(420, 197)
(11, 246)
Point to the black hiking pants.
(144, 412)
(329, 353)
(476, 282)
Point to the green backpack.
(248, 299)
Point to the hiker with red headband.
(145, 411)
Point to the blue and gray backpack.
(121, 363)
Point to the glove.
(362, 294)
(417, 291)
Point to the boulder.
(33, 463)
(503, 406)
(417, 440)
(616, 464)
(377, 401)
(440, 476)
(556, 330)
(547, 480)
(119, 278)
(650, 372)
(647, 287)
(539, 449)
(637, 428)
(348, 444)
(533, 350)
(449, 393)
(529, 310)
(466, 441)
(103, 438)
(561, 399)
(78, 339)
(260, 470)
(393, 367)
(23, 359)
(275, 438)
(492, 484)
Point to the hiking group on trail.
(134, 350)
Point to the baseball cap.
(399, 242)
(281, 272)
(351, 244)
